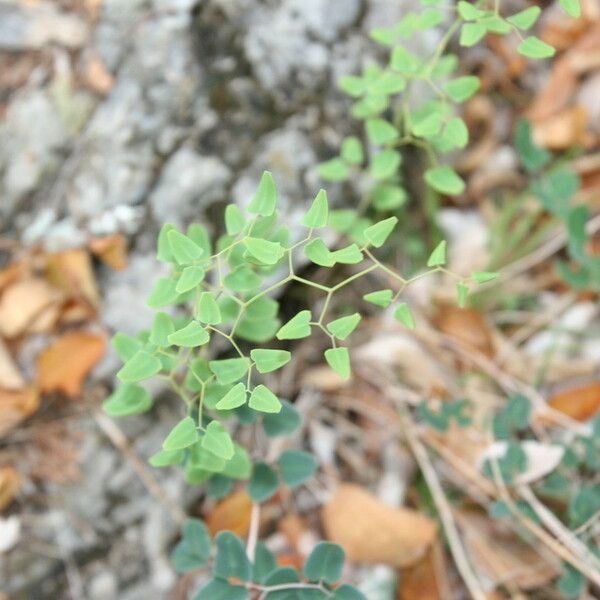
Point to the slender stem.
(323, 288)
(253, 532)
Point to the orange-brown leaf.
(372, 532)
(419, 581)
(72, 272)
(467, 326)
(579, 403)
(24, 303)
(112, 250)
(10, 484)
(63, 366)
(231, 514)
(16, 406)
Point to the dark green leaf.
(325, 563)
(264, 483)
(231, 560)
(193, 551)
(296, 467)
(285, 422)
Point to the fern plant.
(218, 331)
(226, 294)
(389, 101)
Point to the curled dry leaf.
(64, 365)
(16, 406)
(231, 514)
(564, 129)
(420, 581)
(541, 458)
(72, 272)
(112, 250)
(27, 304)
(10, 274)
(10, 376)
(500, 555)
(323, 378)
(466, 326)
(372, 532)
(10, 484)
(97, 76)
(563, 33)
(556, 94)
(580, 403)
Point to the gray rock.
(33, 26)
(29, 152)
(125, 292)
(189, 183)
(103, 586)
(289, 155)
(296, 59)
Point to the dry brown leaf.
(556, 94)
(372, 532)
(467, 326)
(419, 581)
(112, 250)
(561, 32)
(10, 376)
(97, 76)
(16, 406)
(64, 365)
(10, 484)
(72, 272)
(10, 274)
(323, 378)
(563, 130)
(500, 554)
(231, 514)
(24, 303)
(293, 527)
(580, 403)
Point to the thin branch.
(118, 439)
(253, 532)
(445, 512)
